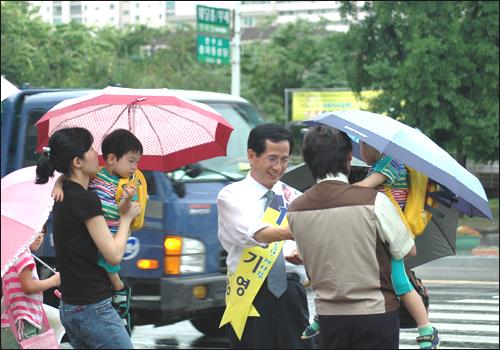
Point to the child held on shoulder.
(388, 174)
(24, 291)
(122, 152)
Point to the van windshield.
(243, 117)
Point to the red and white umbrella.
(173, 131)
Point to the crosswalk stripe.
(478, 310)
(439, 293)
(414, 346)
(460, 327)
(463, 316)
(466, 307)
(454, 338)
(477, 301)
(460, 282)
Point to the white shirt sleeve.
(235, 227)
(391, 228)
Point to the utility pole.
(235, 61)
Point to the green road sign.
(213, 29)
(213, 20)
(212, 50)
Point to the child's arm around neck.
(372, 180)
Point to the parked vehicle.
(175, 263)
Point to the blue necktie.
(276, 279)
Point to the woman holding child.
(80, 231)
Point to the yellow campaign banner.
(253, 268)
(309, 104)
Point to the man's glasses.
(275, 160)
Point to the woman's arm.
(112, 247)
(30, 286)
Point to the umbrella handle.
(43, 263)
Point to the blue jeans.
(94, 326)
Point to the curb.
(489, 240)
(485, 251)
(488, 230)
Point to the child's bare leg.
(415, 307)
(116, 282)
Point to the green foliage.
(299, 54)
(22, 36)
(176, 66)
(436, 62)
(441, 78)
(480, 223)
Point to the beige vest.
(334, 226)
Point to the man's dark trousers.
(281, 323)
(378, 331)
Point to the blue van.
(175, 263)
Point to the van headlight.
(184, 255)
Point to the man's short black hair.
(119, 142)
(325, 151)
(273, 132)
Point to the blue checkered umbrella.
(412, 147)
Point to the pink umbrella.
(173, 131)
(25, 208)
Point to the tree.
(176, 64)
(62, 56)
(299, 54)
(78, 58)
(436, 64)
(22, 36)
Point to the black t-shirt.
(82, 280)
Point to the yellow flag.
(253, 267)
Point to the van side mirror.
(193, 170)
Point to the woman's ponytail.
(64, 145)
(44, 168)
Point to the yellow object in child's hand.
(134, 182)
(131, 187)
(138, 182)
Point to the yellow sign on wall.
(309, 104)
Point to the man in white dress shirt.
(241, 207)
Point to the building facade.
(103, 13)
(273, 12)
(174, 13)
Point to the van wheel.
(209, 325)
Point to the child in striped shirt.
(122, 152)
(386, 171)
(25, 294)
